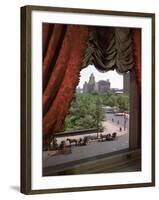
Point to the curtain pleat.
(109, 49)
(64, 77)
(46, 31)
(55, 41)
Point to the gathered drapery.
(109, 49)
(61, 68)
(69, 48)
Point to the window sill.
(121, 161)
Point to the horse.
(114, 135)
(80, 141)
(85, 140)
(109, 137)
(72, 141)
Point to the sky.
(115, 79)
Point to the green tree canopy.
(86, 110)
(85, 113)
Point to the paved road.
(94, 148)
(110, 116)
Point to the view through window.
(98, 120)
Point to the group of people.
(120, 128)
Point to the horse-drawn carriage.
(108, 137)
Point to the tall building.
(85, 87)
(91, 79)
(126, 82)
(103, 86)
(93, 86)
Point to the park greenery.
(86, 110)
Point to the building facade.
(101, 86)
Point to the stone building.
(93, 86)
(103, 86)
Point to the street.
(94, 148)
(120, 119)
(91, 150)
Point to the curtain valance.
(109, 49)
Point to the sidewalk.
(94, 148)
(85, 152)
(111, 127)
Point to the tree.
(86, 110)
(83, 113)
(123, 102)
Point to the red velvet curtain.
(137, 55)
(63, 51)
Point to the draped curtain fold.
(69, 48)
(61, 69)
(109, 49)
